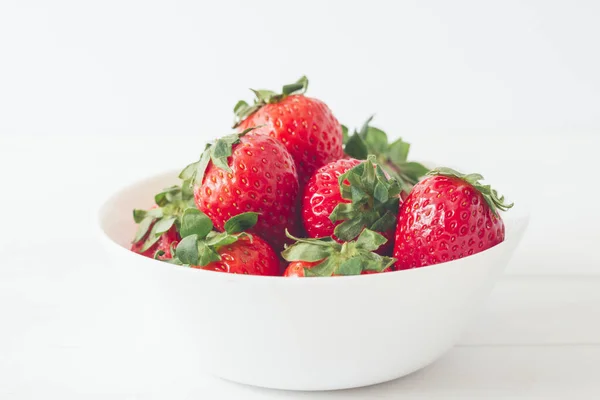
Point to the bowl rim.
(99, 231)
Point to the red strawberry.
(326, 257)
(306, 126)
(346, 196)
(232, 251)
(447, 216)
(247, 172)
(158, 229)
(322, 195)
(296, 268)
(249, 255)
(161, 249)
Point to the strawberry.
(327, 257)
(247, 172)
(448, 215)
(233, 251)
(305, 125)
(391, 156)
(297, 268)
(162, 248)
(158, 228)
(346, 196)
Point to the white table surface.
(66, 330)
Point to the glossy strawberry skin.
(307, 128)
(246, 256)
(167, 240)
(296, 269)
(263, 180)
(322, 195)
(444, 219)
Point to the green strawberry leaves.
(194, 172)
(195, 222)
(393, 157)
(145, 219)
(200, 243)
(352, 266)
(160, 227)
(217, 152)
(374, 201)
(491, 197)
(243, 110)
(153, 223)
(370, 240)
(241, 222)
(309, 249)
(187, 250)
(222, 149)
(301, 85)
(345, 135)
(168, 195)
(356, 147)
(348, 258)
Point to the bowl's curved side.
(307, 334)
(330, 336)
(115, 215)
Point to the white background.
(150, 67)
(96, 94)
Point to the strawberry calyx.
(374, 201)
(348, 258)
(490, 195)
(171, 205)
(393, 157)
(217, 152)
(243, 110)
(200, 243)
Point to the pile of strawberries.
(292, 193)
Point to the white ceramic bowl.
(312, 333)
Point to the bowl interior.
(116, 220)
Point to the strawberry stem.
(348, 258)
(243, 110)
(393, 157)
(217, 152)
(200, 243)
(491, 197)
(372, 196)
